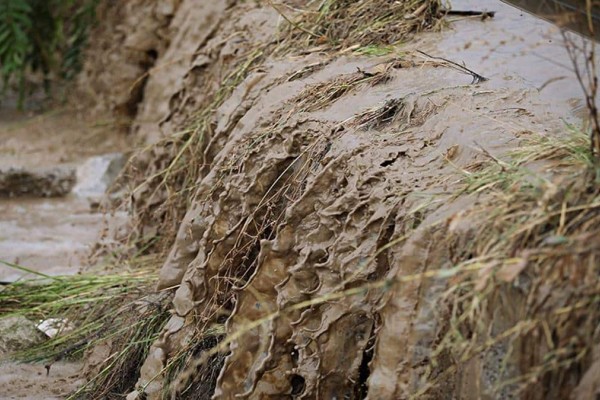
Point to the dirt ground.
(31, 381)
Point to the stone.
(18, 333)
(38, 182)
(97, 174)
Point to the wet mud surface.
(310, 166)
(31, 381)
(52, 236)
(516, 49)
(319, 175)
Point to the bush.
(42, 36)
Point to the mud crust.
(330, 231)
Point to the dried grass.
(337, 24)
(164, 196)
(530, 313)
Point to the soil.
(32, 381)
(309, 170)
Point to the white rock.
(96, 175)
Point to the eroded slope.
(343, 223)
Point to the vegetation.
(117, 311)
(42, 37)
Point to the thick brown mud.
(313, 165)
(328, 186)
(26, 381)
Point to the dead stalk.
(587, 77)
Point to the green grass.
(375, 50)
(118, 310)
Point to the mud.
(324, 187)
(32, 381)
(127, 43)
(55, 138)
(23, 381)
(516, 49)
(308, 172)
(53, 236)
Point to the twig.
(461, 13)
(588, 80)
(476, 77)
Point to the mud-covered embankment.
(350, 221)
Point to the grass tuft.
(373, 25)
(119, 312)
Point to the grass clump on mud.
(111, 319)
(369, 24)
(522, 305)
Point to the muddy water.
(52, 236)
(515, 49)
(49, 235)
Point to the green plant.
(45, 36)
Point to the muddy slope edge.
(355, 225)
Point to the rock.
(96, 175)
(47, 182)
(135, 395)
(18, 333)
(54, 326)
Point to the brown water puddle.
(514, 49)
